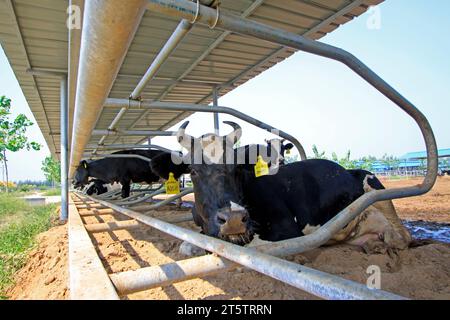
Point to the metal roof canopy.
(34, 35)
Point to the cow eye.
(193, 172)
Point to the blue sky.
(322, 102)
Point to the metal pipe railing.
(315, 282)
(64, 148)
(152, 133)
(112, 126)
(180, 32)
(72, 65)
(111, 102)
(127, 146)
(101, 56)
(64, 135)
(187, 10)
(126, 156)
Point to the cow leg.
(399, 237)
(374, 233)
(125, 189)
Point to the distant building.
(414, 158)
(412, 163)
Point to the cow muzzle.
(234, 225)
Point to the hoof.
(375, 247)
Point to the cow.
(166, 163)
(121, 170)
(96, 186)
(279, 146)
(234, 205)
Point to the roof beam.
(12, 13)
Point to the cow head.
(81, 175)
(279, 147)
(218, 196)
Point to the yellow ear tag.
(261, 167)
(85, 165)
(288, 151)
(172, 185)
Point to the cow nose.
(232, 222)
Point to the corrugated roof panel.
(36, 30)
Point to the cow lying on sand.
(232, 204)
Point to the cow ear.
(289, 146)
(84, 164)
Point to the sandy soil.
(422, 272)
(46, 274)
(433, 206)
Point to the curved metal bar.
(185, 9)
(119, 156)
(313, 281)
(127, 146)
(169, 200)
(141, 199)
(111, 102)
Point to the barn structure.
(101, 75)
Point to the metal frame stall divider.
(262, 259)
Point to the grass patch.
(52, 192)
(18, 235)
(10, 203)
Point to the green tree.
(317, 153)
(12, 133)
(346, 162)
(390, 161)
(367, 163)
(51, 169)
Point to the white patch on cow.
(310, 229)
(190, 250)
(236, 207)
(212, 147)
(366, 186)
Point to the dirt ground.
(421, 272)
(434, 206)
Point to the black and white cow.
(280, 146)
(120, 170)
(96, 187)
(232, 204)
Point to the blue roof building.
(443, 153)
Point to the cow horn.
(184, 139)
(234, 136)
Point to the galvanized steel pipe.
(64, 146)
(108, 28)
(315, 282)
(127, 146)
(111, 102)
(152, 133)
(180, 32)
(188, 10)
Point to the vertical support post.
(64, 150)
(216, 104)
